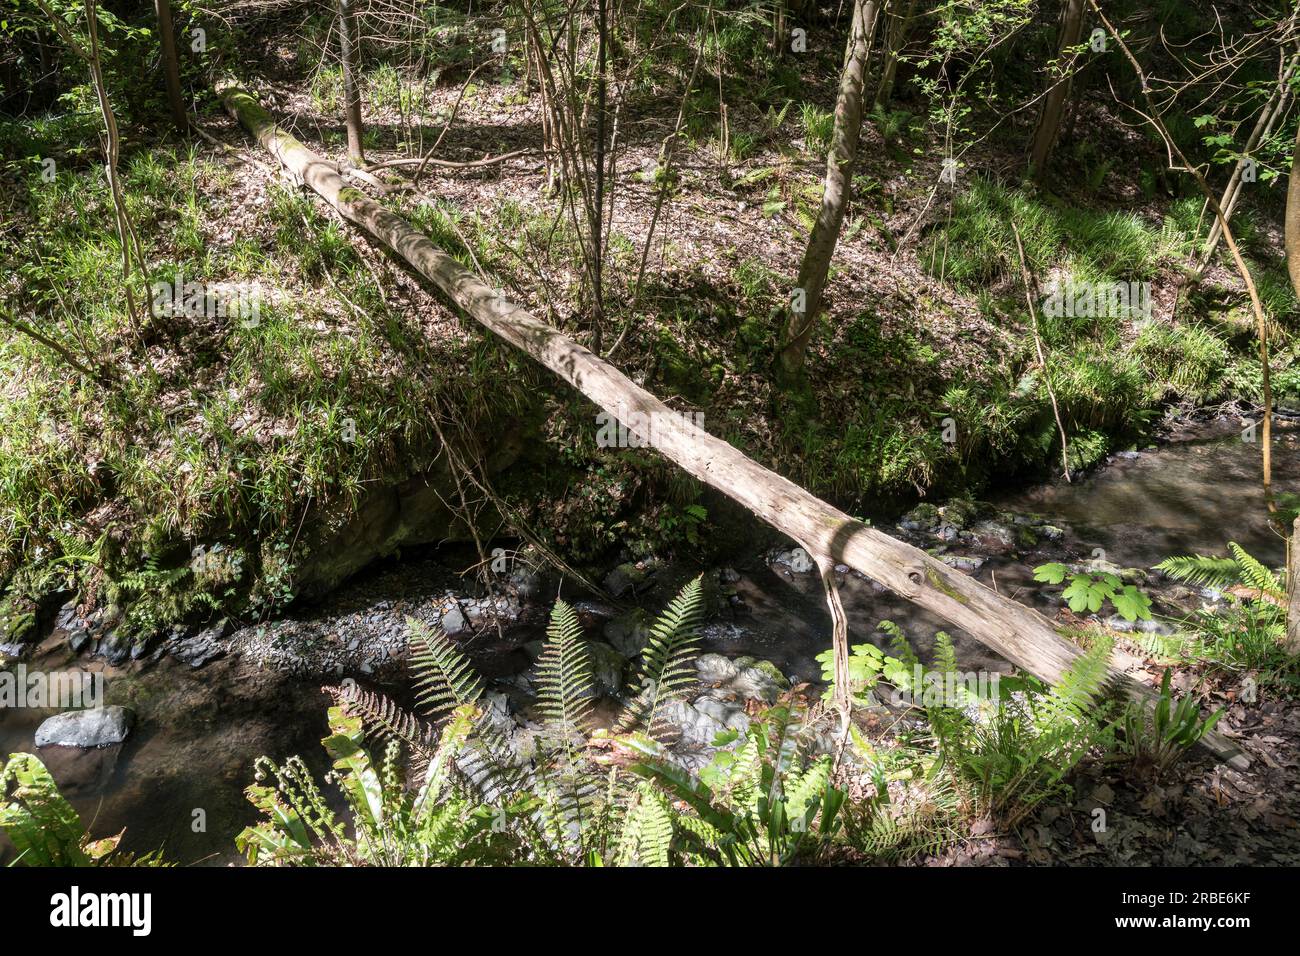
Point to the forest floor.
(238, 436)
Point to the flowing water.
(178, 780)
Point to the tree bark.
(1292, 223)
(1058, 92)
(899, 25)
(831, 537)
(598, 205)
(1292, 643)
(170, 65)
(835, 195)
(350, 59)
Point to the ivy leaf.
(1132, 604)
(1083, 594)
(1050, 573)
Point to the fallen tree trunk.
(831, 537)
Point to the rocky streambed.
(198, 708)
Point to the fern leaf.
(1253, 574)
(667, 663)
(564, 674)
(1201, 570)
(444, 678)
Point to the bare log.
(830, 536)
(1292, 642)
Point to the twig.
(1038, 346)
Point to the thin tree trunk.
(350, 59)
(900, 24)
(835, 195)
(1292, 220)
(1058, 92)
(598, 205)
(1273, 110)
(1292, 642)
(170, 65)
(1156, 119)
(830, 536)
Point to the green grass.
(977, 247)
(228, 430)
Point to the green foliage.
(868, 664)
(1088, 592)
(1240, 570)
(1159, 735)
(818, 126)
(44, 827)
(444, 679)
(765, 802)
(390, 825)
(667, 662)
(1006, 760)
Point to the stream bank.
(207, 704)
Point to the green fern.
(44, 827)
(564, 674)
(646, 838)
(667, 663)
(1240, 569)
(444, 678)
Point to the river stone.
(958, 513)
(961, 562)
(626, 577)
(203, 647)
(115, 648)
(729, 715)
(797, 560)
(606, 668)
(696, 727)
(924, 517)
(78, 638)
(68, 619)
(98, 727)
(994, 535)
(453, 621)
(629, 633)
(714, 668)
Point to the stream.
(178, 780)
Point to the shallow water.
(199, 731)
(1183, 498)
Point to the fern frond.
(444, 677)
(1201, 570)
(647, 835)
(564, 674)
(1254, 574)
(1074, 697)
(384, 719)
(945, 655)
(667, 663)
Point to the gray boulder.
(205, 646)
(606, 668)
(629, 633)
(98, 727)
